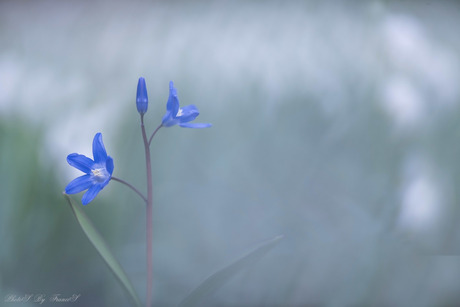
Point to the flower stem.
(149, 216)
(154, 132)
(131, 187)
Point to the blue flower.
(98, 172)
(180, 116)
(142, 100)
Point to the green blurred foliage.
(43, 249)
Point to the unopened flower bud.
(142, 101)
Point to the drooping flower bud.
(142, 101)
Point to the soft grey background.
(336, 124)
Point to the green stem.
(131, 187)
(149, 216)
(154, 132)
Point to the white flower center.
(179, 113)
(100, 174)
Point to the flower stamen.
(99, 173)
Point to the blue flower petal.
(166, 118)
(195, 125)
(169, 120)
(91, 194)
(109, 165)
(80, 162)
(79, 184)
(188, 113)
(173, 101)
(99, 153)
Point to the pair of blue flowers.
(175, 115)
(98, 172)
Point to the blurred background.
(335, 124)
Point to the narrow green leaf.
(101, 246)
(218, 279)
